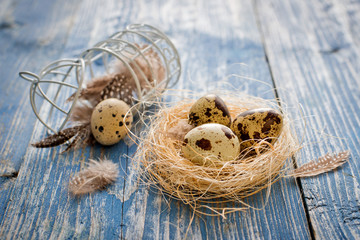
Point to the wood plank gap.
(262, 38)
(123, 195)
(298, 181)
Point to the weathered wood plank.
(31, 35)
(41, 206)
(211, 36)
(314, 55)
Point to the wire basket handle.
(29, 76)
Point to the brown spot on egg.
(267, 126)
(227, 132)
(220, 104)
(257, 135)
(244, 136)
(193, 118)
(204, 144)
(271, 118)
(208, 112)
(121, 124)
(101, 129)
(114, 115)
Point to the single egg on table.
(211, 142)
(255, 125)
(110, 120)
(209, 109)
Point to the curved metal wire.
(125, 47)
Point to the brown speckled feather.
(97, 176)
(323, 164)
(93, 89)
(119, 88)
(83, 136)
(57, 138)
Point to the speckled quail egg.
(109, 119)
(209, 143)
(254, 125)
(209, 109)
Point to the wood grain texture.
(212, 36)
(42, 208)
(313, 52)
(29, 37)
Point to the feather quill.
(97, 176)
(321, 165)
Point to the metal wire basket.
(130, 49)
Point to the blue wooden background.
(308, 51)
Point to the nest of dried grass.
(162, 164)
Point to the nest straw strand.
(163, 166)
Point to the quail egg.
(209, 109)
(255, 125)
(209, 143)
(109, 119)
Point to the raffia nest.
(162, 164)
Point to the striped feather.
(321, 165)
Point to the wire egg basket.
(142, 50)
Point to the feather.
(82, 136)
(98, 175)
(93, 89)
(147, 68)
(57, 138)
(179, 131)
(78, 135)
(120, 87)
(321, 165)
(81, 114)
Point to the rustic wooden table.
(308, 51)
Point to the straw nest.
(162, 164)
